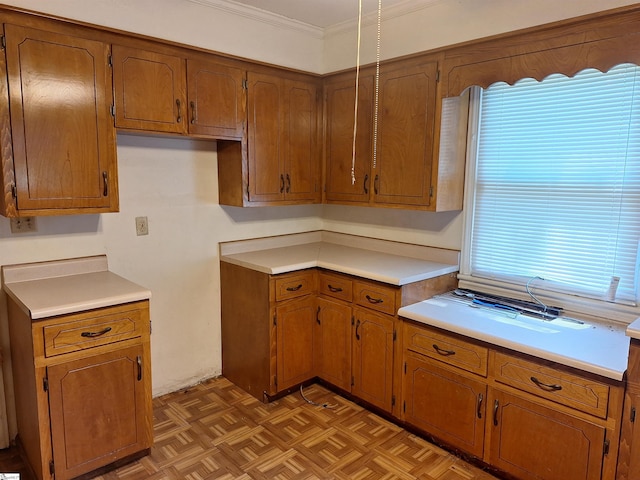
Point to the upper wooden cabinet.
(59, 94)
(279, 160)
(398, 159)
(170, 94)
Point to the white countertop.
(633, 330)
(46, 289)
(375, 265)
(598, 348)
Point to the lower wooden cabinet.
(333, 342)
(447, 404)
(531, 441)
(629, 457)
(84, 396)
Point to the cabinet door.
(99, 412)
(216, 99)
(340, 97)
(373, 358)
(265, 138)
(333, 342)
(446, 404)
(149, 90)
(405, 135)
(534, 442)
(302, 160)
(64, 139)
(294, 332)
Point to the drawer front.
(581, 393)
(92, 332)
(447, 349)
(297, 285)
(377, 297)
(335, 286)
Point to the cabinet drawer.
(335, 286)
(291, 286)
(446, 348)
(581, 393)
(92, 332)
(377, 297)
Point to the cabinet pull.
(496, 406)
(374, 300)
(334, 289)
(364, 184)
(179, 105)
(193, 112)
(479, 408)
(105, 184)
(139, 362)
(95, 334)
(442, 351)
(546, 386)
(281, 183)
(294, 289)
(376, 183)
(318, 316)
(288, 183)
(357, 327)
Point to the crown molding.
(259, 15)
(394, 11)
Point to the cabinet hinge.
(14, 191)
(431, 191)
(275, 320)
(245, 83)
(248, 193)
(605, 448)
(353, 320)
(3, 42)
(110, 61)
(113, 110)
(45, 384)
(275, 381)
(404, 407)
(632, 415)
(393, 400)
(405, 368)
(395, 335)
(52, 467)
(437, 75)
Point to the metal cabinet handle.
(288, 183)
(376, 183)
(318, 316)
(442, 351)
(294, 289)
(105, 184)
(193, 112)
(357, 327)
(281, 183)
(496, 406)
(374, 300)
(365, 186)
(334, 289)
(139, 362)
(546, 386)
(95, 334)
(179, 105)
(479, 407)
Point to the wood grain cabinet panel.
(333, 342)
(62, 131)
(150, 90)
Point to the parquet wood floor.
(215, 430)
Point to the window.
(557, 185)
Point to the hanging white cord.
(355, 108)
(377, 89)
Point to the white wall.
(174, 181)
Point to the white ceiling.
(323, 13)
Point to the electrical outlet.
(142, 226)
(23, 225)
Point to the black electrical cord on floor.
(311, 402)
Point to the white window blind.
(557, 191)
